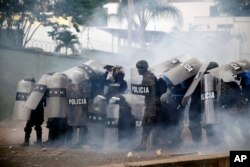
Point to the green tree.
(68, 40)
(18, 16)
(233, 7)
(142, 11)
(21, 15)
(81, 13)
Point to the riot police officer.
(115, 83)
(174, 112)
(245, 86)
(195, 114)
(178, 80)
(36, 119)
(232, 102)
(233, 107)
(152, 102)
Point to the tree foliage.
(68, 40)
(21, 15)
(144, 10)
(81, 12)
(234, 7)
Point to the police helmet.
(29, 78)
(212, 65)
(143, 64)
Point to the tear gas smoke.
(207, 46)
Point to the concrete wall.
(16, 64)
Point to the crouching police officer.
(36, 119)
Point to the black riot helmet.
(212, 65)
(29, 78)
(142, 67)
(142, 64)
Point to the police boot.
(38, 135)
(26, 140)
(50, 140)
(27, 136)
(197, 137)
(142, 146)
(196, 133)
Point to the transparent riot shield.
(77, 112)
(78, 94)
(77, 74)
(210, 92)
(137, 106)
(97, 73)
(194, 83)
(226, 72)
(111, 126)
(165, 66)
(37, 93)
(183, 71)
(96, 120)
(93, 67)
(137, 109)
(56, 101)
(23, 91)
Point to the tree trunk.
(142, 38)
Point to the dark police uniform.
(36, 119)
(152, 102)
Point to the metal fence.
(87, 44)
(41, 45)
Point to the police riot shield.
(37, 93)
(78, 93)
(77, 112)
(56, 102)
(96, 71)
(165, 66)
(194, 83)
(137, 106)
(111, 125)
(24, 87)
(93, 68)
(137, 110)
(183, 71)
(96, 120)
(226, 72)
(210, 93)
(77, 74)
